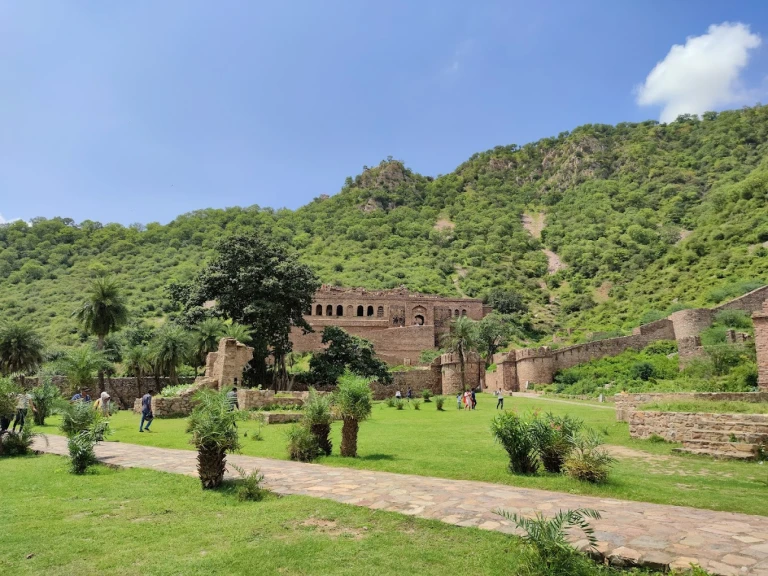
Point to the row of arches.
(339, 310)
(456, 312)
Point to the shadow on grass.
(377, 457)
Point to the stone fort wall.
(760, 320)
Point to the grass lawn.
(709, 407)
(458, 444)
(135, 521)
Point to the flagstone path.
(652, 535)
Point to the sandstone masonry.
(760, 320)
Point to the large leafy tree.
(214, 433)
(258, 284)
(21, 348)
(103, 312)
(346, 353)
(462, 340)
(353, 402)
(493, 332)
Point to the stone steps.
(724, 450)
(748, 437)
(732, 425)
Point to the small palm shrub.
(18, 443)
(548, 550)
(213, 426)
(426, 394)
(589, 461)
(318, 417)
(553, 437)
(439, 401)
(390, 401)
(78, 417)
(353, 402)
(400, 404)
(174, 391)
(416, 404)
(47, 399)
(302, 444)
(250, 485)
(513, 432)
(81, 446)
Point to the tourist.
(104, 403)
(23, 402)
(467, 401)
(409, 394)
(474, 400)
(458, 401)
(500, 400)
(232, 397)
(398, 396)
(146, 411)
(81, 396)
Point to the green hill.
(644, 217)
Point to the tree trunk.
(173, 376)
(322, 433)
(100, 346)
(463, 376)
(138, 382)
(349, 437)
(211, 463)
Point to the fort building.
(399, 323)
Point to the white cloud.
(3, 220)
(459, 56)
(701, 75)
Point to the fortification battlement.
(526, 353)
(453, 358)
(328, 291)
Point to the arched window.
(455, 312)
(380, 312)
(319, 310)
(463, 312)
(329, 310)
(339, 310)
(370, 310)
(359, 310)
(418, 320)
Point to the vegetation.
(514, 433)
(21, 349)
(461, 339)
(84, 427)
(302, 444)
(346, 353)
(80, 365)
(588, 461)
(427, 394)
(720, 407)
(318, 418)
(353, 402)
(439, 402)
(553, 437)
(47, 398)
(250, 486)
(213, 425)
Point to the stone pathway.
(651, 535)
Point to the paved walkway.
(630, 532)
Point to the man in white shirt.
(23, 403)
(500, 401)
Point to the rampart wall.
(760, 320)
(628, 403)
(692, 426)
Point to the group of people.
(408, 395)
(101, 404)
(23, 405)
(467, 400)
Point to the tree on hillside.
(171, 346)
(103, 312)
(21, 348)
(506, 301)
(493, 332)
(353, 402)
(80, 364)
(260, 285)
(346, 353)
(461, 339)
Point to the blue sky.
(141, 111)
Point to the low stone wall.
(687, 426)
(277, 417)
(626, 404)
(252, 399)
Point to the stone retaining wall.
(687, 426)
(253, 399)
(626, 404)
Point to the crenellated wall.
(760, 320)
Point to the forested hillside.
(646, 217)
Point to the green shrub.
(656, 439)
(588, 462)
(399, 403)
(81, 444)
(427, 394)
(553, 438)
(249, 487)
(174, 391)
(78, 417)
(47, 399)
(302, 445)
(318, 418)
(713, 336)
(661, 347)
(736, 319)
(550, 552)
(18, 443)
(439, 401)
(513, 432)
(390, 401)
(416, 403)
(642, 371)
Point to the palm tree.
(318, 418)
(461, 339)
(21, 348)
(170, 348)
(80, 364)
(214, 433)
(353, 402)
(138, 360)
(102, 313)
(207, 335)
(239, 332)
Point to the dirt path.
(534, 224)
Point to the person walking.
(104, 403)
(500, 400)
(23, 403)
(474, 400)
(398, 396)
(232, 397)
(467, 401)
(458, 401)
(146, 411)
(409, 394)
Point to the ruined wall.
(250, 399)
(474, 373)
(686, 426)
(749, 302)
(760, 320)
(628, 403)
(534, 366)
(689, 323)
(227, 364)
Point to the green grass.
(133, 521)
(709, 407)
(458, 444)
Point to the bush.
(588, 462)
(427, 395)
(547, 539)
(173, 391)
(47, 399)
(18, 443)
(416, 404)
(318, 418)
(659, 347)
(390, 401)
(78, 417)
(250, 485)
(642, 371)
(736, 319)
(514, 434)
(302, 445)
(81, 444)
(399, 403)
(439, 401)
(553, 437)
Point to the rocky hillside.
(639, 218)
